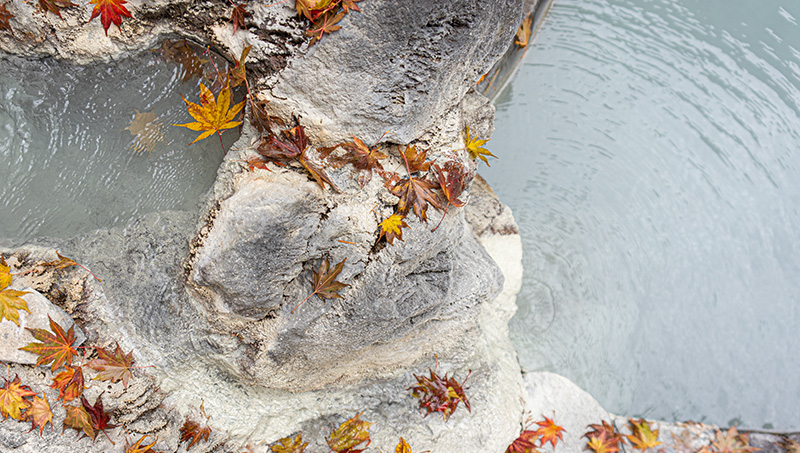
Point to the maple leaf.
(148, 131)
(78, 419)
(350, 4)
(732, 442)
(193, 431)
(139, 448)
(642, 436)
(602, 443)
(39, 413)
(180, 53)
(415, 193)
(113, 367)
(12, 398)
(360, 156)
(439, 394)
(475, 147)
(262, 120)
(312, 9)
(550, 432)
(350, 434)
(55, 6)
(416, 161)
(391, 227)
(402, 447)
(5, 17)
(62, 263)
(610, 432)
(212, 115)
(293, 144)
(98, 417)
(5, 273)
(55, 348)
(452, 182)
(525, 443)
(289, 445)
(109, 11)
(10, 303)
(69, 383)
(325, 24)
(524, 33)
(238, 73)
(237, 17)
(683, 443)
(324, 283)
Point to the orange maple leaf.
(642, 435)
(212, 115)
(392, 228)
(55, 348)
(69, 383)
(525, 443)
(549, 432)
(12, 398)
(113, 367)
(602, 443)
(289, 445)
(139, 448)
(39, 413)
(109, 11)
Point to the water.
(69, 157)
(649, 150)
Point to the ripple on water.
(650, 153)
(69, 163)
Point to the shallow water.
(70, 162)
(649, 151)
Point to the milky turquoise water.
(649, 149)
(67, 163)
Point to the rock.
(13, 337)
(567, 404)
(395, 67)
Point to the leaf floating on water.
(182, 54)
(148, 131)
(212, 115)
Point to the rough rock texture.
(396, 67)
(13, 337)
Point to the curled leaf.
(350, 434)
(439, 394)
(69, 383)
(289, 445)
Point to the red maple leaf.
(109, 11)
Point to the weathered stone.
(13, 337)
(395, 67)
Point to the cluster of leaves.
(531, 441)
(109, 11)
(324, 15)
(439, 393)
(56, 347)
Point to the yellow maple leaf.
(289, 445)
(475, 147)
(392, 227)
(642, 437)
(12, 398)
(212, 115)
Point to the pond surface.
(649, 150)
(87, 147)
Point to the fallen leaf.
(550, 432)
(732, 441)
(10, 303)
(55, 6)
(350, 4)
(415, 193)
(402, 447)
(5, 17)
(109, 11)
(524, 33)
(439, 394)
(12, 398)
(416, 161)
(139, 448)
(452, 179)
(78, 419)
(238, 73)
(325, 24)
(324, 283)
(69, 383)
(790, 446)
(114, 367)
(363, 158)
(602, 443)
(55, 348)
(475, 147)
(293, 144)
(5, 273)
(182, 54)
(148, 131)
(97, 416)
(62, 263)
(392, 227)
(524, 443)
(350, 434)
(39, 413)
(238, 15)
(194, 432)
(642, 436)
(289, 445)
(212, 115)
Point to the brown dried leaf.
(39, 413)
(5, 17)
(114, 367)
(237, 17)
(289, 445)
(148, 131)
(325, 284)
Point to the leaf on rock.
(453, 179)
(114, 367)
(417, 160)
(550, 432)
(475, 147)
(362, 157)
(62, 263)
(312, 9)
(325, 284)
(194, 432)
(12, 398)
(293, 144)
(5, 17)
(350, 4)
(148, 131)
(237, 17)
(182, 54)
(78, 419)
(402, 447)
(238, 73)
(790, 446)
(139, 448)
(109, 11)
(325, 24)
(55, 348)
(439, 394)
(601, 443)
(5, 273)
(212, 115)
(10, 303)
(642, 437)
(289, 445)
(392, 228)
(69, 383)
(349, 435)
(732, 441)
(97, 416)
(39, 413)
(55, 6)
(524, 32)
(415, 193)
(525, 443)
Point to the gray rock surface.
(13, 337)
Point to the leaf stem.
(301, 303)
(220, 143)
(443, 215)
